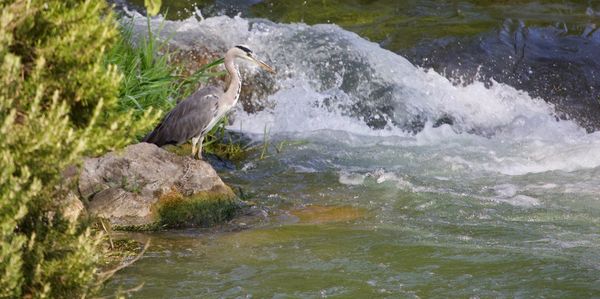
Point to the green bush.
(57, 103)
(70, 85)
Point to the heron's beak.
(263, 65)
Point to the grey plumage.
(189, 119)
(196, 115)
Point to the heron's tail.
(150, 137)
(157, 137)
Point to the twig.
(104, 276)
(112, 245)
(128, 291)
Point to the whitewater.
(479, 168)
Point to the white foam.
(381, 176)
(520, 201)
(348, 178)
(293, 113)
(332, 79)
(506, 190)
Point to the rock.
(317, 214)
(67, 201)
(144, 185)
(547, 62)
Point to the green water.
(401, 244)
(399, 25)
(413, 245)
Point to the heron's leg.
(194, 149)
(200, 147)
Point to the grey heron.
(195, 116)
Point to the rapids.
(468, 190)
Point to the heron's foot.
(199, 152)
(197, 155)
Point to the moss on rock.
(202, 209)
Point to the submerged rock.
(317, 214)
(144, 186)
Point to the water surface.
(387, 179)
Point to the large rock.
(132, 188)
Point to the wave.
(332, 79)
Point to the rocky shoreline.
(144, 187)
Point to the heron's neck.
(235, 84)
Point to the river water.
(388, 178)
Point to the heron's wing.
(188, 119)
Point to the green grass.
(149, 81)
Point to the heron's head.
(244, 52)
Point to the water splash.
(332, 79)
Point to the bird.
(195, 116)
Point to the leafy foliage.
(149, 81)
(57, 96)
(70, 85)
(152, 6)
